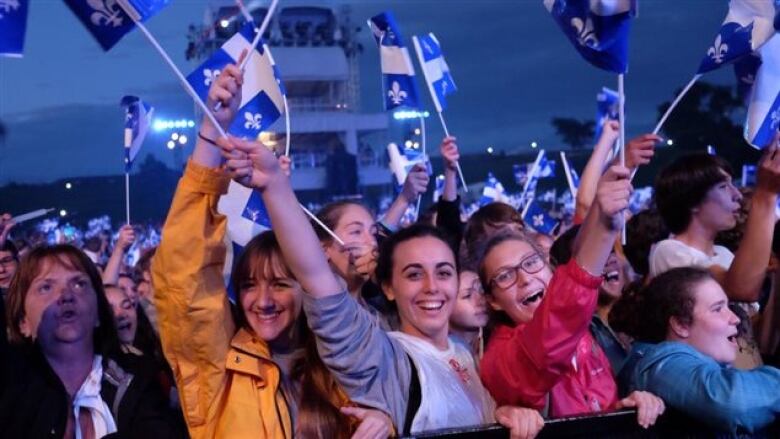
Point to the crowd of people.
(373, 329)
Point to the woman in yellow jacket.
(240, 377)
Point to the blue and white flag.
(399, 86)
(521, 173)
(261, 95)
(746, 69)
(546, 168)
(13, 22)
(598, 29)
(110, 20)
(607, 102)
(435, 69)
(538, 219)
(571, 174)
(711, 150)
(138, 119)
(763, 116)
(439, 188)
(246, 217)
(748, 25)
(493, 191)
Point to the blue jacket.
(728, 399)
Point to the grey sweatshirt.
(372, 368)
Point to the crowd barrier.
(613, 425)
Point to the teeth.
(268, 317)
(533, 297)
(611, 276)
(431, 305)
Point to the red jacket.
(554, 353)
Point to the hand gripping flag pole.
(198, 101)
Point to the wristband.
(206, 139)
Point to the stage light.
(670, 142)
(171, 144)
(534, 144)
(224, 23)
(490, 150)
(182, 139)
(63, 213)
(175, 136)
(68, 185)
(409, 114)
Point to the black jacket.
(35, 404)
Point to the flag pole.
(127, 197)
(208, 113)
(457, 164)
(425, 155)
(531, 173)
(622, 122)
(675, 102)
(286, 125)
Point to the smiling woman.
(65, 374)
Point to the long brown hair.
(319, 414)
(105, 339)
(330, 216)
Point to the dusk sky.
(513, 67)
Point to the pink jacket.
(553, 354)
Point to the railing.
(613, 425)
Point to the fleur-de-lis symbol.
(718, 50)
(444, 85)
(585, 35)
(775, 116)
(7, 5)
(538, 220)
(396, 94)
(252, 121)
(107, 12)
(210, 75)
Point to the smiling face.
(470, 312)
(424, 285)
(60, 306)
(720, 207)
(521, 299)
(271, 301)
(125, 316)
(355, 226)
(614, 277)
(713, 328)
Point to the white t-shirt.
(452, 393)
(671, 253)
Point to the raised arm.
(594, 168)
(746, 274)
(114, 264)
(415, 185)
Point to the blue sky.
(513, 67)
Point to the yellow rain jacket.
(228, 385)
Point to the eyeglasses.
(7, 261)
(474, 288)
(507, 276)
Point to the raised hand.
(612, 195)
(226, 90)
(416, 183)
(285, 163)
(640, 150)
(450, 153)
(768, 172)
(250, 163)
(6, 223)
(126, 238)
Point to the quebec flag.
(521, 173)
(598, 29)
(546, 168)
(748, 25)
(13, 22)
(247, 217)
(138, 119)
(763, 116)
(402, 160)
(110, 20)
(435, 69)
(400, 88)
(493, 191)
(261, 95)
(607, 102)
(539, 220)
(571, 174)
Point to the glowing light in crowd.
(224, 23)
(417, 131)
(409, 114)
(63, 212)
(670, 142)
(175, 136)
(171, 144)
(534, 144)
(408, 144)
(68, 185)
(182, 139)
(490, 150)
(170, 124)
